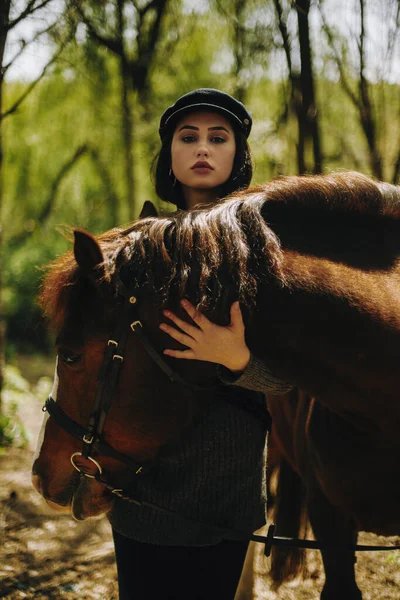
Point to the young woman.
(215, 473)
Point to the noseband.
(92, 435)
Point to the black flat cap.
(207, 99)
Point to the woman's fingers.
(195, 314)
(177, 335)
(186, 327)
(236, 317)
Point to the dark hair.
(166, 189)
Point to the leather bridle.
(107, 379)
(91, 436)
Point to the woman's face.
(202, 151)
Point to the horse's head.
(109, 386)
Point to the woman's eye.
(188, 138)
(218, 139)
(70, 358)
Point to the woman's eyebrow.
(216, 128)
(189, 127)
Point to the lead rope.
(268, 540)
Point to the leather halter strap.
(107, 379)
(109, 372)
(80, 433)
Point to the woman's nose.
(202, 151)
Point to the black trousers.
(151, 572)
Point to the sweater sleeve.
(255, 377)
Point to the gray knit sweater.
(214, 473)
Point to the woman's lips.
(202, 166)
(202, 170)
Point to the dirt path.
(44, 555)
(48, 556)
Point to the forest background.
(83, 84)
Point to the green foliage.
(63, 149)
(16, 393)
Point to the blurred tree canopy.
(321, 78)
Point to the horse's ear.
(87, 251)
(148, 210)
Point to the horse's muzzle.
(37, 484)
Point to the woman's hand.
(208, 341)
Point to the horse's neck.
(333, 329)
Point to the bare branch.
(362, 40)
(146, 42)
(285, 35)
(28, 11)
(155, 30)
(25, 44)
(110, 43)
(14, 107)
(339, 64)
(146, 7)
(48, 207)
(393, 34)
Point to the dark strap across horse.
(268, 540)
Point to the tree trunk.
(2, 320)
(126, 120)
(127, 137)
(238, 43)
(361, 100)
(307, 115)
(366, 112)
(4, 16)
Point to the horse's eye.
(70, 358)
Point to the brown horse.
(315, 264)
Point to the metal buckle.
(134, 324)
(88, 440)
(88, 458)
(112, 342)
(121, 358)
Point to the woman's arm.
(225, 346)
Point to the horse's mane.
(215, 255)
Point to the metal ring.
(121, 358)
(132, 300)
(88, 458)
(112, 342)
